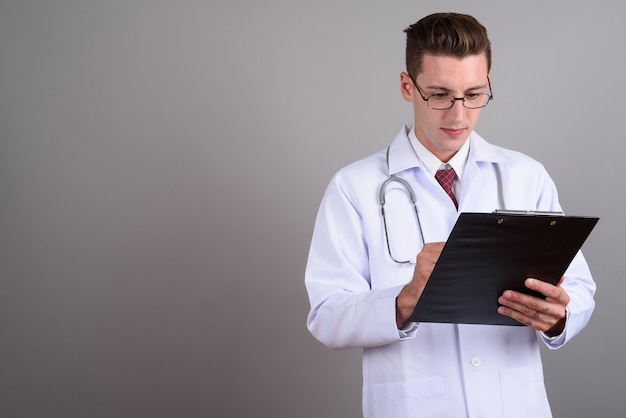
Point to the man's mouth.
(454, 132)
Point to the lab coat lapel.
(401, 154)
(481, 177)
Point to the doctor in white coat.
(363, 284)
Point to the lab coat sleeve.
(578, 282)
(581, 288)
(345, 311)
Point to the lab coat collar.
(402, 157)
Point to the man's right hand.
(410, 294)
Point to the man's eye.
(441, 95)
(472, 96)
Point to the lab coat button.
(476, 362)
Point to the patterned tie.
(445, 177)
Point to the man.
(362, 289)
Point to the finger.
(539, 320)
(542, 311)
(561, 280)
(433, 247)
(551, 292)
(531, 311)
(536, 322)
(430, 253)
(529, 304)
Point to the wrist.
(404, 308)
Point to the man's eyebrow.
(483, 86)
(436, 87)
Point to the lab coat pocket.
(523, 393)
(415, 398)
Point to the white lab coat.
(429, 370)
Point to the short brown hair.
(450, 34)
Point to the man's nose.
(458, 109)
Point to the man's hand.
(546, 315)
(410, 294)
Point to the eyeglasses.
(445, 100)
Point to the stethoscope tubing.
(405, 184)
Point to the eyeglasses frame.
(454, 99)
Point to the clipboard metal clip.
(527, 212)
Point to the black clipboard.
(487, 253)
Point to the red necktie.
(445, 177)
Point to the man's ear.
(407, 88)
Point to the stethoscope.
(407, 187)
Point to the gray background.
(161, 165)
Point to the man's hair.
(449, 34)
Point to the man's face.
(443, 132)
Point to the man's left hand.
(546, 315)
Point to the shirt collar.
(402, 155)
(431, 163)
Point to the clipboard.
(487, 253)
